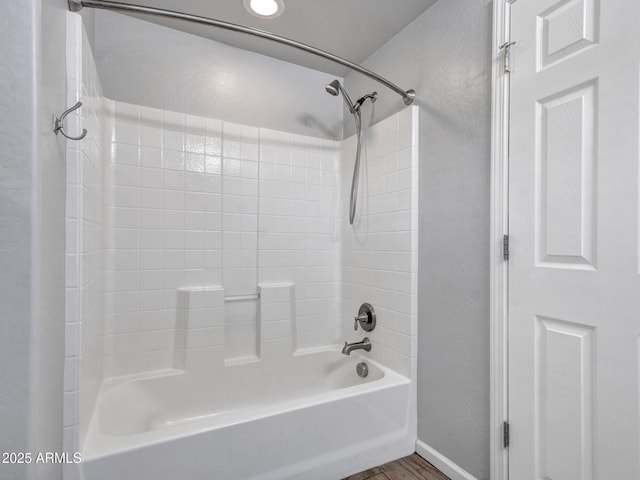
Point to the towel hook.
(59, 126)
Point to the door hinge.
(505, 435)
(506, 46)
(505, 247)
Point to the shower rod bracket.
(75, 5)
(408, 96)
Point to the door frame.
(499, 268)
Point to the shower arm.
(76, 5)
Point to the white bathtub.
(309, 417)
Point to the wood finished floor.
(413, 467)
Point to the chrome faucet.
(365, 344)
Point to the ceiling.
(351, 29)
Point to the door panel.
(574, 282)
(565, 177)
(565, 28)
(565, 361)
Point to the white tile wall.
(200, 329)
(277, 320)
(84, 237)
(240, 154)
(165, 224)
(242, 331)
(379, 252)
(299, 239)
(200, 202)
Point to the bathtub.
(307, 417)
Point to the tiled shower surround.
(196, 242)
(197, 202)
(380, 251)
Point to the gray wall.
(445, 56)
(17, 106)
(32, 199)
(191, 74)
(89, 22)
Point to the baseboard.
(442, 463)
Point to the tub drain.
(362, 369)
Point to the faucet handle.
(366, 318)
(360, 319)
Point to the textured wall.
(445, 56)
(190, 74)
(16, 103)
(31, 232)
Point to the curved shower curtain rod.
(76, 5)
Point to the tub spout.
(363, 345)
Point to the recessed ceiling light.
(264, 8)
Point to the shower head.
(334, 88)
(371, 96)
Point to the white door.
(574, 271)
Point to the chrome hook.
(58, 125)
